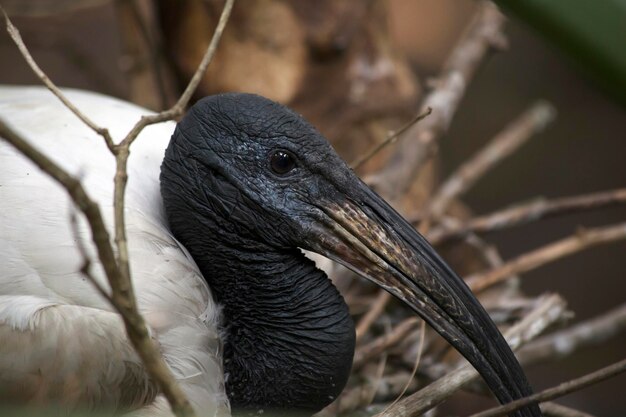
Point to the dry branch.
(394, 180)
(358, 397)
(418, 358)
(125, 305)
(177, 109)
(485, 32)
(528, 124)
(490, 254)
(122, 153)
(581, 240)
(591, 332)
(17, 38)
(394, 384)
(74, 187)
(85, 268)
(376, 309)
(390, 139)
(557, 410)
(548, 311)
(445, 98)
(524, 213)
(117, 267)
(558, 391)
(382, 343)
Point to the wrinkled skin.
(289, 338)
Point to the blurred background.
(357, 69)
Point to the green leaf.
(592, 32)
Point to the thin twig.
(489, 252)
(17, 38)
(390, 139)
(126, 305)
(394, 180)
(409, 156)
(76, 191)
(382, 343)
(518, 132)
(550, 409)
(117, 267)
(509, 309)
(392, 385)
(380, 371)
(548, 311)
(581, 240)
(524, 213)
(377, 307)
(121, 177)
(420, 349)
(558, 391)
(177, 109)
(592, 332)
(85, 268)
(357, 397)
(123, 151)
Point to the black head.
(263, 165)
(261, 177)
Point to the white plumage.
(59, 339)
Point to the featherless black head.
(246, 182)
(263, 166)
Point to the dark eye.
(282, 162)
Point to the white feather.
(61, 341)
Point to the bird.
(219, 210)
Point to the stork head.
(268, 177)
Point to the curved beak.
(368, 236)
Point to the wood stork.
(242, 186)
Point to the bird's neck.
(289, 336)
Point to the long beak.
(372, 239)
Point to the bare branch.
(377, 378)
(524, 213)
(581, 240)
(548, 311)
(178, 108)
(122, 299)
(377, 307)
(558, 391)
(121, 176)
(382, 343)
(85, 268)
(594, 331)
(117, 268)
(390, 139)
(557, 410)
(395, 179)
(409, 156)
(17, 38)
(357, 397)
(490, 253)
(528, 124)
(76, 191)
(420, 350)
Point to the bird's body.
(227, 198)
(59, 339)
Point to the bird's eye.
(282, 162)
